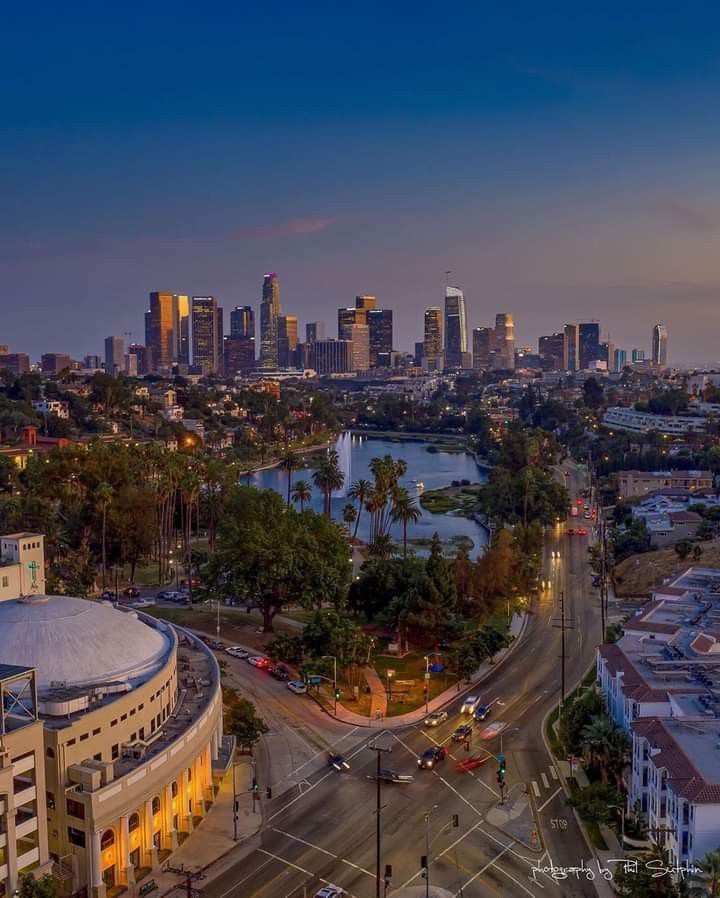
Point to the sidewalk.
(517, 628)
(213, 838)
(378, 699)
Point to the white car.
(237, 651)
(255, 660)
(142, 603)
(470, 705)
(435, 718)
(331, 892)
(297, 686)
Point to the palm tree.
(301, 493)
(349, 515)
(710, 865)
(381, 547)
(103, 497)
(599, 735)
(359, 491)
(289, 461)
(404, 508)
(328, 478)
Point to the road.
(322, 829)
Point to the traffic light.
(456, 820)
(255, 787)
(388, 871)
(501, 762)
(423, 862)
(337, 693)
(268, 792)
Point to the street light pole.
(235, 807)
(427, 682)
(379, 750)
(427, 850)
(334, 681)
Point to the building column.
(10, 842)
(199, 780)
(170, 840)
(151, 855)
(208, 789)
(127, 871)
(95, 857)
(214, 748)
(186, 819)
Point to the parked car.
(169, 595)
(132, 592)
(194, 582)
(280, 672)
(142, 603)
(216, 644)
(237, 651)
(107, 595)
(431, 756)
(470, 704)
(462, 733)
(435, 718)
(297, 686)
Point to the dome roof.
(78, 642)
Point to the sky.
(561, 161)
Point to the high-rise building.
(347, 318)
(91, 362)
(360, 338)
(552, 351)
(380, 324)
(365, 301)
(419, 352)
(142, 356)
(182, 329)
(332, 356)
(433, 339)
(483, 347)
(589, 342)
(287, 340)
(16, 363)
(619, 359)
(659, 345)
(238, 355)
(114, 355)
(638, 355)
(55, 362)
(161, 321)
(314, 330)
(269, 313)
(504, 342)
(456, 339)
(207, 334)
(242, 322)
(571, 362)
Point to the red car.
(570, 531)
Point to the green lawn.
(411, 667)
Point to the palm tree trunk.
(289, 473)
(404, 537)
(104, 546)
(357, 520)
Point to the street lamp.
(334, 659)
(427, 682)
(427, 850)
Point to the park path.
(378, 699)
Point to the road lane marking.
(246, 877)
(536, 789)
(543, 777)
(358, 867)
(317, 754)
(545, 803)
(483, 869)
(553, 773)
(282, 860)
(444, 852)
(336, 857)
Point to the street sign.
(314, 680)
(427, 676)
(404, 682)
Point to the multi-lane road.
(322, 829)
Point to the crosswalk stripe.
(553, 773)
(544, 779)
(536, 789)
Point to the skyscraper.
(238, 355)
(332, 356)
(314, 330)
(504, 342)
(160, 323)
(659, 345)
(360, 338)
(114, 355)
(483, 347)
(433, 339)
(365, 301)
(589, 340)
(269, 314)
(207, 334)
(242, 322)
(347, 318)
(619, 359)
(287, 340)
(181, 352)
(638, 355)
(456, 341)
(139, 358)
(380, 324)
(572, 347)
(552, 350)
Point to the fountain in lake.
(343, 447)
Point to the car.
(570, 531)
(216, 644)
(338, 762)
(331, 892)
(280, 672)
(193, 582)
(107, 595)
(435, 718)
(469, 704)
(582, 531)
(463, 732)
(236, 651)
(431, 756)
(390, 776)
(587, 515)
(257, 661)
(169, 595)
(482, 712)
(297, 686)
(142, 603)
(131, 592)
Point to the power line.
(563, 625)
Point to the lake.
(433, 469)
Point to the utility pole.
(190, 876)
(379, 750)
(563, 625)
(603, 578)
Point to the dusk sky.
(563, 163)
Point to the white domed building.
(111, 734)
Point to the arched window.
(189, 774)
(133, 822)
(108, 839)
(174, 788)
(156, 805)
